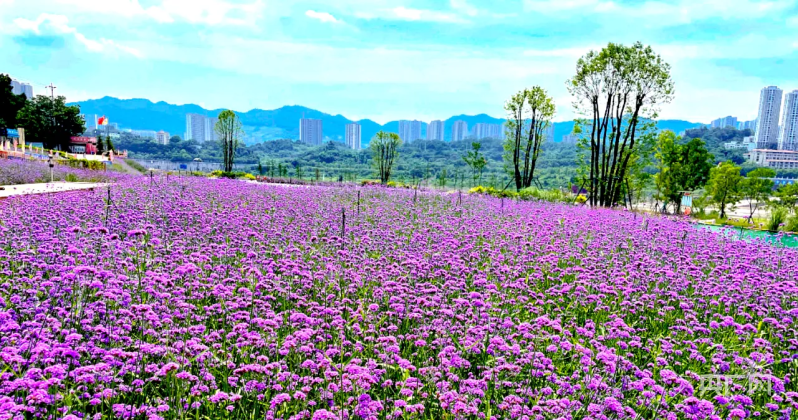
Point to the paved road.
(45, 188)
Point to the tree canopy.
(51, 121)
(615, 89)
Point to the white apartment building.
(435, 130)
(353, 136)
(776, 159)
(19, 88)
(310, 131)
(195, 127)
(724, 122)
(409, 131)
(459, 130)
(747, 125)
(788, 136)
(162, 137)
(767, 128)
(487, 131)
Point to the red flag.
(102, 120)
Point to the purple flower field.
(218, 299)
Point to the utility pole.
(52, 99)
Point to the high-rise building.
(162, 137)
(435, 130)
(788, 138)
(19, 88)
(147, 134)
(210, 129)
(353, 136)
(310, 131)
(409, 131)
(548, 133)
(767, 128)
(724, 122)
(195, 127)
(747, 125)
(459, 130)
(487, 131)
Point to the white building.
(310, 131)
(409, 131)
(487, 131)
(725, 122)
(459, 130)
(776, 159)
(788, 136)
(195, 127)
(435, 130)
(210, 129)
(162, 137)
(748, 143)
(19, 88)
(353, 136)
(747, 125)
(767, 128)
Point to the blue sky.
(392, 59)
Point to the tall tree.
(10, 104)
(384, 151)
(616, 89)
(682, 167)
(476, 161)
(724, 186)
(756, 188)
(50, 121)
(529, 115)
(100, 145)
(230, 131)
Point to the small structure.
(687, 202)
(81, 144)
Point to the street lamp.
(51, 164)
(198, 160)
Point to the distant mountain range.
(281, 123)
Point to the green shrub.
(533, 193)
(71, 178)
(792, 224)
(493, 192)
(777, 217)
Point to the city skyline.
(168, 50)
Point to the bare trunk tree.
(617, 87)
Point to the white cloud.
(660, 13)
(210, 12)
(48, 23)
(404, 13)
(322, 16)
(463, 7)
